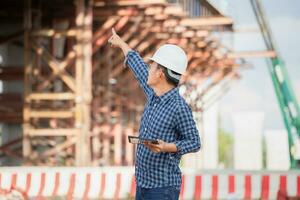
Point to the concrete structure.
(248, 130)
(210, 137)
(11, 55)
(277, 150)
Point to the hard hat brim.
(169, 71)
(165, 64)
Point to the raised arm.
(134, 61)
(116, 41)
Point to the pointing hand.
(115, 39)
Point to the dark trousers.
(162, 193)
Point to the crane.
(286, 98)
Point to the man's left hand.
(156, 148)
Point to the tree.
(225, 149)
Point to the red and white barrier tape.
(119, 182)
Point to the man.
(166, 117)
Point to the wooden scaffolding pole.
(83, 80)
(27, 65)
(58, 107)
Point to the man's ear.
(157, 73)
(161, 73)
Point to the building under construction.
(67, 98)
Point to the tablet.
(138, 140)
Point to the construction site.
(68, 102)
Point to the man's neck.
(162, 89)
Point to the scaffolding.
(80, 102)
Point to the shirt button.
(145, 129)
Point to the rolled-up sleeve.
(189, 139)
(140, 70)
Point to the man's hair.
(169, 79)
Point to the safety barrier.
(119, 183)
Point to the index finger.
(113, 31)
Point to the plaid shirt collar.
(166, 96)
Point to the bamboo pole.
(129, 148)
(117, 133)
(83, 81)
(26, 117)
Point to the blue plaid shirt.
(166, 117)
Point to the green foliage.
(225, 149)
(264, 153)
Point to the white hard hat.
(171, 57)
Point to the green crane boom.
(283, 89)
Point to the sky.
(254, 92)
